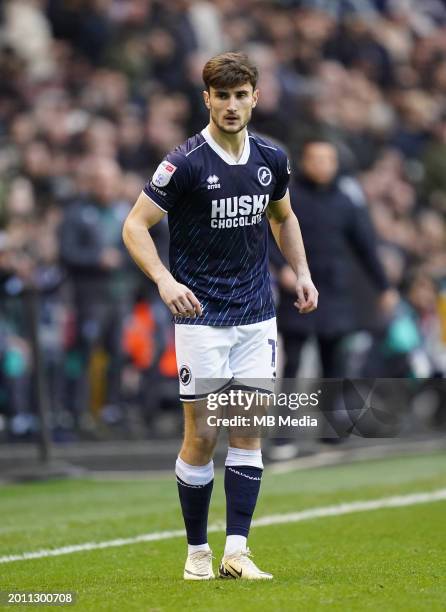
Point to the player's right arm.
(136, 235)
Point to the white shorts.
(209, 358)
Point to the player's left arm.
(286, 231)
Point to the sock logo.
(241, 474)
(189, 486)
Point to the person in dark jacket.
(100, 276)
(332, 226)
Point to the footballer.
(220, 189)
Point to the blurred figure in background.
(102, 282)
(15, 378)
(29, 263)
(333, 227)
(410, 346)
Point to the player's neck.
(233, 144)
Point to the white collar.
(222, 153)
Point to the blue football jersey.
(218, 228)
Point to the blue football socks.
(195, 488)
(242, 485)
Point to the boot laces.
(201, 560)
(245, 558)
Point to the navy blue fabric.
(242, 486)
(332, 226)
(194, 500)
(218, 227)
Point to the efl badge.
(163, 174)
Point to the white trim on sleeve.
(156, 203)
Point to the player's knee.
(206, 445)
(200, 447)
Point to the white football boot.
(240, 566)
(199, 566)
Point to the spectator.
(97, 267)
(422, 299)
(332, 225)
(434, 163)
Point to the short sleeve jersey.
(217, 221)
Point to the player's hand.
(178, 298)
(307, 294)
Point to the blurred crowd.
(93, 93)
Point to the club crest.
(185, 374)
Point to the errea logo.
(212, 181)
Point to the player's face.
(231, 108)
(320, 162)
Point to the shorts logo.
(163, 174)
(185, 374)
(288, 166)
(264, 175)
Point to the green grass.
(389, 559)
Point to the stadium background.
(92, 95)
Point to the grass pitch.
(386, 559)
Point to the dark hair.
(229, 70)
(315, 138)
